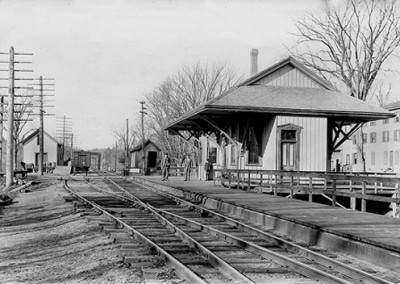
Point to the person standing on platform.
(208, 168)
(165, 165)
(188, 167)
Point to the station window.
(354, 139)
(396, 157)
(347, 159)
(212, 154)
(385, 136)
(372, 137)
(233, 154)
(372, 123)
(397, 118)
(354, 158)
(365, 138)
(253, 147)
(385, 121)
(396, 135)
(385, 157)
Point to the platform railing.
(363, 186)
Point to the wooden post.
(396, 207)
(238, 179)
(310, 190)
(291, 186)
(10, 123)
(229, 177)
(334, 192)
(276, 185)
(375, 185)
(353, 200)
(248, 188)
(363, 201)
(261, 179)
(270, 182)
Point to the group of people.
(30, 167)
(188, 166)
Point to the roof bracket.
(339, 130)
(213, 124)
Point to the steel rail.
(318, 258)
(295, 265)
(181, 269)
(226, 269)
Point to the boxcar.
(82, 161)
(95, 161)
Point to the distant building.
(152, 157)
(52, 149)
(381, 143)
(282, 118)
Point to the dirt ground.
(42, 240)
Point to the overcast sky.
(106, 55)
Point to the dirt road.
(42, 240)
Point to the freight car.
(81, 161)
(95, 161)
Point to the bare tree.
(349, 44)
(180, 93)
(127, 141)
(22, 114)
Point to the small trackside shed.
(151, 154)
(282, 118)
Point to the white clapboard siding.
(287, 76)
(313, 137)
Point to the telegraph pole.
(1, 131)
(143, 154)
(41, 114)
(127, 147)
(72, 145)
(41, 133)
(10, 102)
(10, 123)
(63, 130)
(116, 155)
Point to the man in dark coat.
(165, 165)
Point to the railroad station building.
(282, 118)
(52, 149)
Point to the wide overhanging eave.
(193, 121)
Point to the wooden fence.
(363, 186)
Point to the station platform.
(367, 236)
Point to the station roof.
(250, 97)
(147, 142)
(35, 133)
(392, 106)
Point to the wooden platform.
(367, 228)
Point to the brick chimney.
(253, 61)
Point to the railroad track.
(234, 251)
